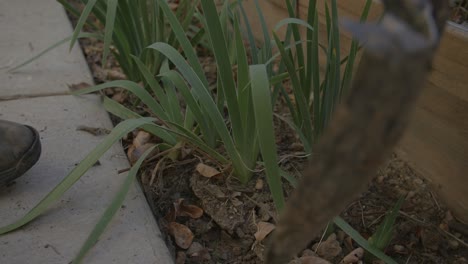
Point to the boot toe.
(20, 149)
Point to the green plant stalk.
(224, 67)
(384, 234)
(299, 50)
(130, 26)
(348, 72)
(265, 131)
(303, 120)
(341, 223)
(205, 98)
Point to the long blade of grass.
(174, 111)
(184, 42)
(381, 238)
(290, 21)
(341, 223)
(286, 175)
(195, 140)
(244, 96)
(311, 48)
(303, 114)
(117, 133)
(81, 21)
(348, 72)
(151, 81)
(75, 12)
(291, 179)
(250, 35)
(265, 131)
(325, 86)
(133, 87)
(168, 135)
(198, 37)
(224, 67)
(53, 46)
(112, 209)
(336, 77)
(206, 101)
(304, 139)
(124, 113)
(279, 78)
(191, 102)
(109, 28)
(118, 110)
(314, 70)
(266, 50)
(248, 147)
(297, 37)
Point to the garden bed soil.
(218, 220)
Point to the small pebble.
(259, 184)
(418, 181)
(399, 248)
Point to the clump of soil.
(236, 218)
(233, 213)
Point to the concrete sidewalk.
(37, 95)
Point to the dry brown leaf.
(263, 229)
(78, 86)
(190, 210)
(206, 171)
(134, 153)
(173, 6)
(183, 236)
(99, 73)
(181, 209)
(353, 257)
(141, 138)
(329, 248)
(259, 184)
(120, 97)
(115, 75)
(170, 216)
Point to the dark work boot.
(20, 149)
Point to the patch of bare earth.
(216, 219)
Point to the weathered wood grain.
(436, 141)
(367, 125)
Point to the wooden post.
(368, 124)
